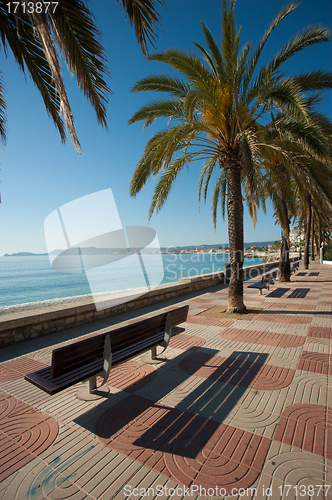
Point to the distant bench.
(267, 279)
(95, 356)
(295, 267)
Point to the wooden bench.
(267, 279)
(95, 356)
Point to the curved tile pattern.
(243, 372)
(316, 362)
(131, 376)
(265, 338)
(283, 318)
(304, 426)
(184, 341)
(320, 332)
(204, 320)
(24, 434)
(12, 370)
(188, 449)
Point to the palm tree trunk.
(235, 235)
(284, 263)
(312, 237)
(307, 233)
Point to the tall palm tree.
(214, 111)
(39, 32)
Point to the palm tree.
(215, 110)
(37, 36)
(305, 168)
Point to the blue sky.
(39, 174)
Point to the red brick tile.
(23, 435)
(320, 332)
(315, 362)
(131, 376)
(17, 368)
(304, 426)
(183, 341)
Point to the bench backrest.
(73, 356)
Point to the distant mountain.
(24, 254)
(94, 251)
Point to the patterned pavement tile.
(185, 341)
(204, 320)
(17, 368)
(185, 447)
(291, 474)
(315, 362)
(131, 376)
(307, 388)
(317, 345)
(320, 332)
(259, 411)
(273, 355)
(270, 355)
(24, 434)
(266, 338)
(283, 318)
(304, 426)
(246, 371)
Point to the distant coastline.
(223, 247)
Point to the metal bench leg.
(155, 358)
(92, 391)
(153, 352)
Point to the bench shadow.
(197, 414)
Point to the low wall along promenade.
(19, 326)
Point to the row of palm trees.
(257, 131)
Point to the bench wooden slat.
(84, 359)
(68, 358)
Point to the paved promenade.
(241, 408)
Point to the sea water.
(26, 282)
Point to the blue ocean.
(25, 281)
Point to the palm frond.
(218, 196)
(205, 177)
(314, 80)
(309, 36)
(80, 42)
(166, 182)
(215, 56)
(187, 64)
(145, 18)
(286, 95)
(161, 83)
(2, 114)
(285, 11)
(54, 64)
(159, 108)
